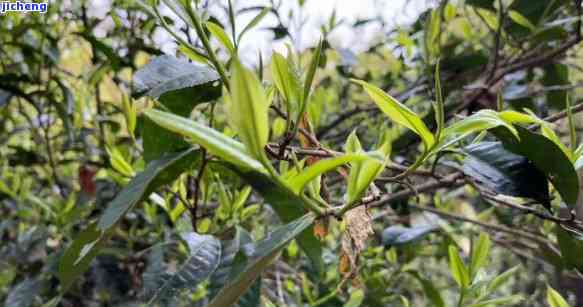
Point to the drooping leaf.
(504, 172)
(202, 261)
(179, 86)
(457, 268)
(264, 253)
(399, 235)
(23, 294)
(215, 142)
(547, 157)
(399, 113)
(288, 207)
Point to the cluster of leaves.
(233, 167)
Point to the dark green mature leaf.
(179, 86)
(262, 255)
(556, 75)
(547, 157)
(399, 235)
(288, 207)
(202, 261)
(77, 258)
(23, 294)
(485, 4)
(233, 260)
(5, 97)
(505, 172)
(571, 248)
(165, 74)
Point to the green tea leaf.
(399, 112)
(248, 108)
(480, 252)
(547, 157)
(457, 268)
(215, 142)
(554, 298)
(298, 182)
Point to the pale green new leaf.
(554, 299)
(478, 122)
(458, 270)
(480, 253)
(285, 80)
(253, 22)
(219, 33)
(398, 112)
(215, 142)
(521, 20)
(298, 182)
(362, 173)
(249, 110)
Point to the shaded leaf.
(430, 291)
(505, 172)
(78, 256)
(156, 174)
(288, 207)
(23, 294)
(547, 157)
(399, 235)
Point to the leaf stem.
(206, 43)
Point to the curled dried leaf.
(358, 229)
